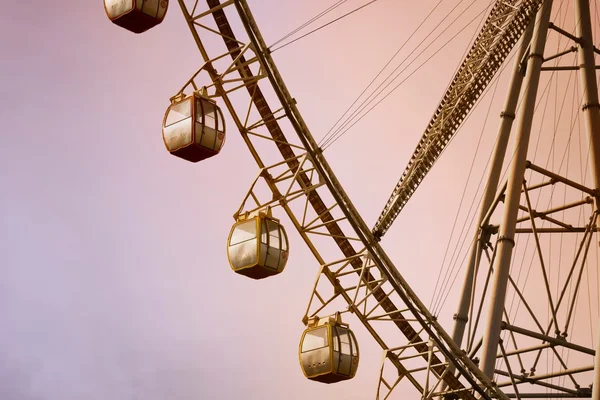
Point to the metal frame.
(329, 203)
(365, 280)
(543, 340)
(506, 23)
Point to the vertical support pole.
(495, 169)
(591, 113)
(589, 86)
(506, 241)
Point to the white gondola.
(328, 351)
(257, 246)
(136, 15)
(193, 128)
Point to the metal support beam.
(495, 169)
(506, 237)
(542, 395)
(591, 113)
(538, 378)
(562, 179)
(564, 33)
(549, 339)
(503, 28)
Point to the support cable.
(483, 176)
(330, 135)
(500, 33)
(323, 26)
(440, 302)
(309, 22)
(352, 120)
(324, 139)
(440, 295)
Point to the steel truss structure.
(502, 29)
(294, 176)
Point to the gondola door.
(345, 354)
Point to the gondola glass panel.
(242, 245)
(208, 136)
(136, 15)
(329, 353)
(177, 130)
(258, 255)
(344, 356)
(195, 141)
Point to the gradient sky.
(115, 283)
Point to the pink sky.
(115, 279)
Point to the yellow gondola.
(257, 246)
(328, 351)
(136, 15)
(193, 139)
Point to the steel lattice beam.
(501, 31)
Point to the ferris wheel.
(508, 340)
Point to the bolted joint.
(457, 317)
(507, 115)
(507, 239)
(377, 235)
(489, 230)
(536, 55)
(264, 172)
(337, 288)
(584, 392)
(590, 105)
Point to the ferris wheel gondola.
(136, 16)
(193, 128)
(328, 351)
(258, 246)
